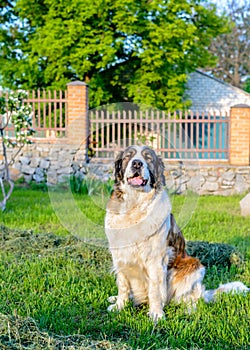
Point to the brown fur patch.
(184, 266)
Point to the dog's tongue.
(136, 181)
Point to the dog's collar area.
(126, 233)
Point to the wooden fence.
(49, 110)
(101, 133)
(178, 135)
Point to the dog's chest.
(138, 258)
(133, 209)
(130, 262)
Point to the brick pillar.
(78, 124)
(239, 138)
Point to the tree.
(131, 50)
(233, 49)
(13, 112)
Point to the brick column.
(78, 124)
(239, 138)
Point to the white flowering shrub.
(17, 115)
(16, 131)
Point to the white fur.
(189, 289)
(137, 218)
(231, 287)
(142, 274)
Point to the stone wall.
(208, 179)
(202, 179)
(47, 162)
(213, 95)
(54, 163)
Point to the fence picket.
(209, 133)
(44, 109)
(124, 129)
(119, 128)
(50, 111)
(60, 112)
(203, 133)
(108, 129)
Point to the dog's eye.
(148, 157)
(127, 156)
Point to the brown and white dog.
(147, 246)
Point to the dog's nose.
(137, 164)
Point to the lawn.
(54, 286)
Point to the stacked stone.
(220, 180)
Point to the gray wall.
(53, 163)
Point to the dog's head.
(139, 168)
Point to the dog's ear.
(175, 238)
(118, 168)
(160, 178)
(119, 174)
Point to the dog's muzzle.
(137, 180)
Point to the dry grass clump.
(218, 254)
(22, 243)
(18, 333)
(26, 242)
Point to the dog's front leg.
(123, 293)
(157, 290)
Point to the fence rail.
(178, 135)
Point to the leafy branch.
(15, 119)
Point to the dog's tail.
(231, 287)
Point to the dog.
(147, 246)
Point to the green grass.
(63, 283)
(57, 211)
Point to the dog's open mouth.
(137, 180)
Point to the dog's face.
(139, 168)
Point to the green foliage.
(247, 85)
(90, 186)
(136, 51)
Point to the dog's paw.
(116, 307)
(112, 299)
(112, 307)
(117, 304)
(156, 316)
